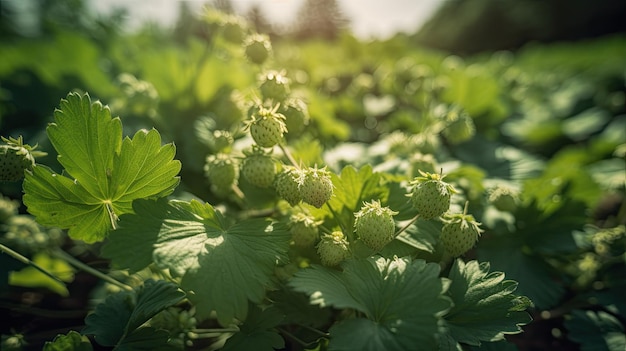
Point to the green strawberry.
(296, 116)
(266, 126)
(275, 86)
(222, 172)
(257, 48)
(234, 30)
(459, 234)
(333, 248)
(431, 195)
(8, 208)
(259, 168)
(287, 185)
(316, 187)
(15, 158)
(175, 320)
(303, 228)
(504, 198)
(460, 127)
(374, 225)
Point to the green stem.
(27, 261)
(341, 225)
(80, 265)
(406, 226)
(289, 156)
(316, 331)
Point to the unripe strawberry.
(8, 208)
(234, 30)
(222, 172)
(274, 85)
(374, 225)
(287, 183)
(296, 116)
(316, 186)
(266, 126)
(460, 127)
(333, 248)
(303, 228)
(459, 234)
(431, 195)
(15, 158)
(259, 168)
(257, 48)
(504, 198)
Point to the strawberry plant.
(245, 200)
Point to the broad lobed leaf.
(222, 267)
(103, 173)
(485, 308)
(121, 314)
(401, 299)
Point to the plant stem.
(27, 261)
(80, 265)
(341, 225)
(289, 156)
(406, 226)
(316, 331)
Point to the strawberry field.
(222, 190)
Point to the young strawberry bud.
(259, 168)
(274, 86)
(222, 173)
(287, 183)
(374, 225)
(15, 158)
(316, 186)
(303, 229)
(333, 248)
(266, 126)
(459, 234)
(431, 196)
(257, 48)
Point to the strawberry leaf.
(485, 308)
(353, 187)
(123, 313)
(596, 330)
(103, 173)
(222, 266)
(402, 302)
(256, 332)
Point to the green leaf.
(222, 267)
(73, 341)
(108, 321)
(402, 302)
(353, 187)
(501, 345)
(152, 298)
(596, 331)
(103, 173)
(536, 278)
(256, 332)
(422, 235)
(485, 308)
(129, 248)
(122, 313)
(146, 338)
